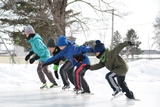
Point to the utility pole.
(112, 29)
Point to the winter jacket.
(56, 51)
(39, 48)
(112, 61)
(69, 51)
(56, 64)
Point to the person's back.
(39, 47)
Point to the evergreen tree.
(27, 12)
(133, 37)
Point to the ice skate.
(53, 85)
(116, 92)
(44, 85)
(65, 87)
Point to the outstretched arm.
(53, 59)
(97, 66)
(119, 48)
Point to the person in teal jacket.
(41, 53)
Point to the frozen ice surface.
(19, 87)
(149, 95)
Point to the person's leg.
(49, 75)
(80, 71)
(40, 73)
(70, 75)
(84, 83)
(63, 72)
(110, 77)
(123, 85)
(41, 76)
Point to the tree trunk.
(58, 8)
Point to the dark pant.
(121, 83)
(66, 72)
(46, 72)
(79, 78)
(111, 80)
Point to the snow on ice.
(19, 87)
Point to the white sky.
(141, 19)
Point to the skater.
(64, 71)
(76, 55)
(117, 66)
(40, 52)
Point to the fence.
(93, 59)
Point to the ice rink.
(20, 88)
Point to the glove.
(131, 43)
(29, 55)
(92, 50)
(33, 59)
(56, 74)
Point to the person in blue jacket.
(65, 73)
(76, 55)
(41, 52)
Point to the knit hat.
(51, 43)
(62, 41)
(99, 46)
(29, 30)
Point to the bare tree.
(60, 14)
(52, 17)
(58, 10)
(117, 38)
(156, 38)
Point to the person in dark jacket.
(64, 71)
(76, 55)
(115, 64)
(40, 51)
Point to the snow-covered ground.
(20, 88)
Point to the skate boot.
(116, 92)
(74, 89)
(130, 95)
(85, 92)
(65, 87)
(53, 84)
(78, 91)
(44, 85)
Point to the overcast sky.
(141, 18)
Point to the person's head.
(99, 48)
(51, 45)
(62, 42)
(29, 30)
